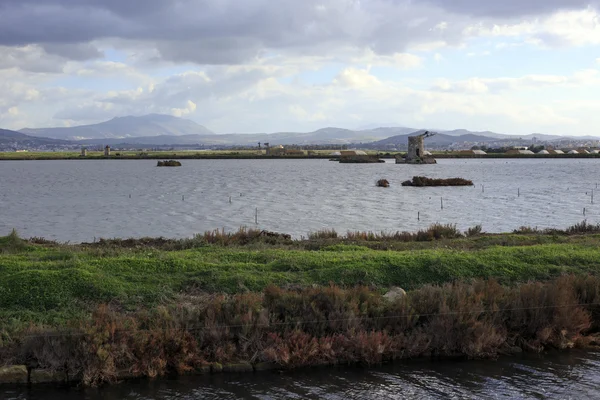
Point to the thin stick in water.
(256, 216)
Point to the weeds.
(323, 234)
(12, 243)
(318, 326)
(474, 231)
(582, 227)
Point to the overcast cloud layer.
(258, 65)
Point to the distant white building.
(542, 152)
(573, 152)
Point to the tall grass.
(582, 227)
(433, 232)
(12, 243)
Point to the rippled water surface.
(569, 375)
(82, 200)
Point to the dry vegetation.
(318, 326)
(422, 181)
(168, 163)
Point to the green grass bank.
(154, 306)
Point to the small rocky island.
(422, 181)
(383, 183)
(169, 163)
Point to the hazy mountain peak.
(126, 127)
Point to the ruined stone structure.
(83, 152)
(416, 151)
(107, 151)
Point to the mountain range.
(125, 127)
(164, 130)
(8, 136)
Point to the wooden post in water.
(229, 199)
(256, 216)
(418, 215)
(482, 189)
(442, 202)
(584, 211)
(518, 192)
(592, 196)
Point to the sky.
(241, 66)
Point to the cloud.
(31, 58)
(223, 32)
(180, 112)
(508, 8)
(356, 79)
(560, 29)
(76, 52)
(581, 78)
(253, 65)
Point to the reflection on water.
(567, 375)
(83, 200)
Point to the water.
(82, 200)
(567, 375)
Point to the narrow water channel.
(565, 375)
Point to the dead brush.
(317, 326)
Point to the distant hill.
(321, 136)
(125, 127)
(18, 139)
(440, 139)
(488, 134)
(8, 136)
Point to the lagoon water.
(82, 200)
(566, 375)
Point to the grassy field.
(52, 280)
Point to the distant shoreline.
(46, 156)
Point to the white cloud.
(181, 112)
(580, 78)
(356, 79)
(563, 28)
